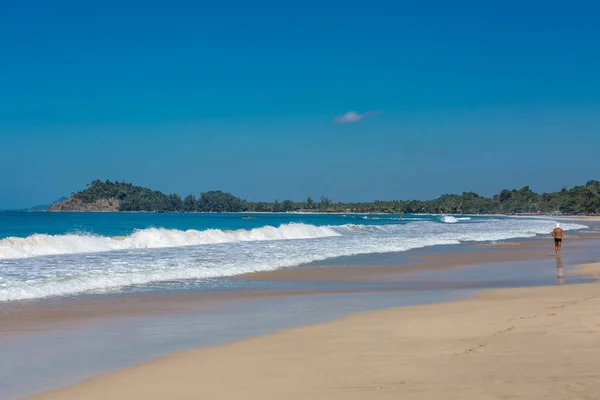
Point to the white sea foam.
(39, 245)
(158, 255)
(113, 270)
(449, 219)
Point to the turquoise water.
(23, 224)
(64, 254)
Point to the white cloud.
(352, 117)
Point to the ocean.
(67, 254)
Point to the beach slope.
(527, 343)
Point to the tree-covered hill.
(122, 196)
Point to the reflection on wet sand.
(560, 270)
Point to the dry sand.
(526, 343)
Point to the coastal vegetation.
(122, 196)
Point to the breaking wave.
(449, 219)
(151, 238)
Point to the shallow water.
(65, 254)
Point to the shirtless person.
(557, 234)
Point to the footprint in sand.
(480, 346)
(569, 303)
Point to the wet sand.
(590, 270)
(593, 218)
(23, 317)
(476, 254)
(528, 343)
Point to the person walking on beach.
(557, 234)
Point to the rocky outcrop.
(75, 204)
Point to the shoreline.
(528, 252)
(57, 312)
(534, 341)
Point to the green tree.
(310, 203)
(276, 206)
(324, 203)
(287, 206)
(189, 203)
(584, 199)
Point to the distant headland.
(121, 196)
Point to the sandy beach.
(528, 343)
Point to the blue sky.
(243, 96)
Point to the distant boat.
(248, 217)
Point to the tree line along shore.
(122, 196)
